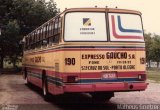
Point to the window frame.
(106, 20)
(125, 13)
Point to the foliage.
(18, 18)
(156, 49)
(148, 41)
(12, 35)
(152, 48)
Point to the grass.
(153, 74)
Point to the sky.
(150, 9)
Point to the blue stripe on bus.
(113, 80)
(127, 30)
(59, 82)
(53, 80)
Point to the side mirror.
(21, 42)
(45, 42)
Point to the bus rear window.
(85, 26)
(125, 27)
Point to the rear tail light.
(72, 79)
(142, 77)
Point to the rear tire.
(45, 89)
(26, 80)
(101, 97)
(26, 77)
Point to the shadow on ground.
(74, 101)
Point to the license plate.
(109, 76)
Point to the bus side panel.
(49, 62)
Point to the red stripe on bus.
(49, 51)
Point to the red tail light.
(72, 79)
(142, 77)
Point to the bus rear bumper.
(106, 87)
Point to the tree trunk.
(149, 64)
(1, 56)
(14, 64)
(1, 62)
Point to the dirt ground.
(15, 94)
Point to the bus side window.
(30, 41)
(44, 39)
(37, 39)
(37, 35)
(59, 25)
(35, 43)
(49, 32)
(50, 29)
(56, 26)
(46, 32)
(33, 40)
(26, 43)
(38, 32)
(56, 38)
(51, 38)
(42, 32)
(53, 26)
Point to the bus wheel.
(45, 89)
(26, 78)
(101, 97)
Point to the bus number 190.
(70, 61)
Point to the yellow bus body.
(86, 66)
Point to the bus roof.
(102, 10)
(94, 9)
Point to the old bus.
(87, 50)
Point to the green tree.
(13, 49)
(5, 6)
(156, 49)
(18, 18)
(148, 41)
(31, 14)
(52, 9)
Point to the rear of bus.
(104, 51)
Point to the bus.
(97, 51)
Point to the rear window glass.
(85, 26)
(125, 27)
